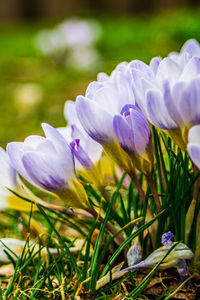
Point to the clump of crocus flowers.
(110, 128)
(72, 43)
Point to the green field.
(123, 38)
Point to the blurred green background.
(124, 37)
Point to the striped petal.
(46, 172)
(188, 101)
(95, 120)
(157, 111)
(124, 133)
(194, 145)
(15, 152)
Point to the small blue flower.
(166, 238)
(176, 257)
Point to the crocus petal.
(46, 163)
(157, 111)
(92, 88)
(66, 133)
(141, 84)
(70, 112)
(166, 238)
(142, 81)
(96, 121)
(33, 141)
(127, 107)
(168, 69)
(171, 105)
(141, 66)
(102, 77)
(194, 134)
(192, 47)
(124, 90)
(167, 91)
(39, 143)
(191, 70)
(43, 172)
(181, 251)
(52, 134)
(183, 270)
(58, 141)
(71, 115)
(15, 152)
(79, 134)
(104, 97)
(194, 145)
(138, 124)
(124, 133)
(7, 172)
(194, 152)
(141, 131)
(81, 155)
(121, 67)
(46, 147)
(154, 63)
(8, 178)
(134, 254)
(188, 101)
(93, 149)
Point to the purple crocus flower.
(134, 136)
(194, 145)
(122, 67)
(166, 238)
(87, 145)
(167, 91)
(9, 179)
(89, 161)
(190, 49)
(182, 269)
(176, 258)
(181, 265)
(47, 163)
(102, 101)
(134, 254)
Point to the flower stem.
(81, 213)
(191, 210)
(138, 186)
(119, 239)
(105, 193)
(139, 189)
(62, 208)
(154, 191)
(196, 184)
